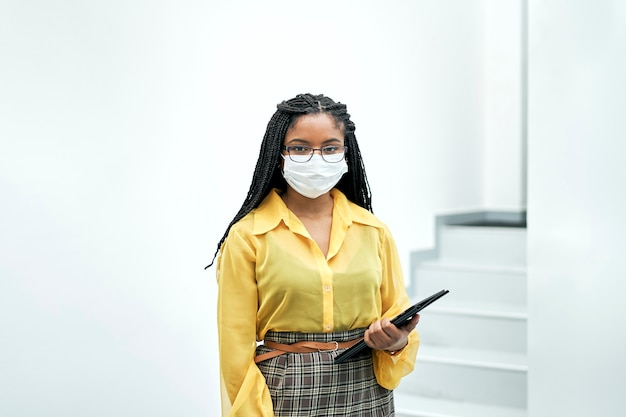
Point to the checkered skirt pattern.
(311, 385)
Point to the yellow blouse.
(272, 276)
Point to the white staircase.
(472, 359)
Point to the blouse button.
(328, 327)
(326, 287)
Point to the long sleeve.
(389, 369)
(244, 391)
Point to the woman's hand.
(384, 335)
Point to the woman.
(306, 268)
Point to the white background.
(129, 131)
(129, 134)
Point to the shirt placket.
(326, 279)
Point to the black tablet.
(400, 320)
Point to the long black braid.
(267, 174)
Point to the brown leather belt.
(303, 347)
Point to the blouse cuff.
(395, 352)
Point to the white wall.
(576, 200)
(129, 132)
(106, 210)
(504, 103)
(430, 120)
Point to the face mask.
(315, 177)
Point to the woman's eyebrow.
(298, 140)
(304, 141)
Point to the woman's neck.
(308, 207)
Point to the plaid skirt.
(311, 385)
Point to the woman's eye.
(300, 149)
(331, 149)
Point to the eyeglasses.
(303, 153)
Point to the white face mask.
(315, 177)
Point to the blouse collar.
(273, 210)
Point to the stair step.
(491, 310)
(480, 327)
(473, 283)
(480, 358)
(483, 245)
(408, 405)
(468, 375)
(500, 384)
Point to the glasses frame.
(288, 148)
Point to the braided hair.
(267, 173)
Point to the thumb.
(412, 324)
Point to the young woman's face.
(315, 130)
(308, 174)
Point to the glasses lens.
(299, 158)
(333, 153)
(299, 153)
